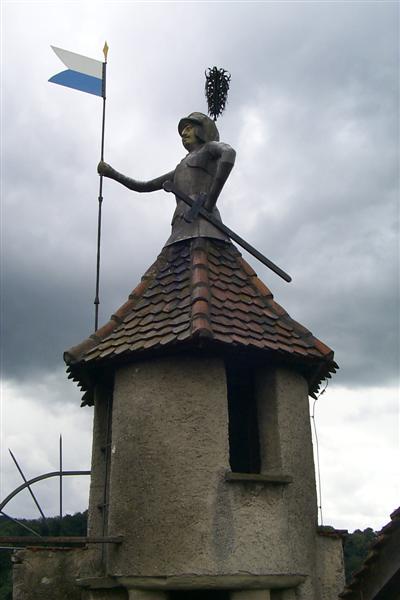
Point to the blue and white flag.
(84, 74)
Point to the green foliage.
(5, 575)
(356, 548)
(74, 525)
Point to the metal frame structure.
(36, 539)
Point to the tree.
(356, 548)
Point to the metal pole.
(61, 490)
(27, 540)
(28, 486)
(100, 198)
(106, 473)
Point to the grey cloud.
(312, 113)
(318, 194)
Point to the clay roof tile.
(202, 288)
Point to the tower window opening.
(244, 444)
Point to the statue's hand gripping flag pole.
(87, 75)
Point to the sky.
(313, 116)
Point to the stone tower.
(202, 454)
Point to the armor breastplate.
(194, 175)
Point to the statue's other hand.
(104, 168)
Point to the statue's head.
(205, 129)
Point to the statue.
(201, 174)
(197, 182)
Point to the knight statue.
(201, 174)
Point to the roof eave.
(315, 370)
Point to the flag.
(84, 74)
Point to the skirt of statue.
(182, 230)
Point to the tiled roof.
(375, 567)
(202, 289)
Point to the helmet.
(206, 130)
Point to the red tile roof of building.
(202, 289)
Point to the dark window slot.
(244, 445)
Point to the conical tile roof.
(201, 291)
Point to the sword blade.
(170, 187)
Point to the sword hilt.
(193, 213)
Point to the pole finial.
(105, 51)
(216, 90)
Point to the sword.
(198, 209)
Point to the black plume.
(216, 89)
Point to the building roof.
(201, 290)
(379, 576)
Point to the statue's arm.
(225, 156)
(137, 186)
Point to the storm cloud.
(313, 116)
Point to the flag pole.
(100, 198)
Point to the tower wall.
(168, 457)
(169, 494)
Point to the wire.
(317, 453)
